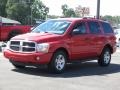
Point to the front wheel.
(58, 62)
(105, 57)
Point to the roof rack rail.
(89, 18)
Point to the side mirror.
(75, 32)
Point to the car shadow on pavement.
(73, 70)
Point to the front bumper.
(35, 58)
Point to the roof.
(7, 20)
(77, 19)
(69, 19)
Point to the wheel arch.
(64, 50)
(12, 32)
(108, 46)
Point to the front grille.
(22, 46)
(15, 48)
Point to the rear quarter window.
(94, 27)
(107, 28)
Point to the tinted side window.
(80, 28)
(107, 28)
(94, 27)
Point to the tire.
(58, 62)
(105, 57)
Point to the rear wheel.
(58, 63)
(105, 57)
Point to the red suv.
(60, 41)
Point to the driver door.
(80, 47)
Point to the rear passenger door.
(96, 37)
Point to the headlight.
(43, 47)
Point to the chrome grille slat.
(22, 46)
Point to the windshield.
(52, 26)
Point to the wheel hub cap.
(106, 57)
(60, 62)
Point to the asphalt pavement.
(85, 76)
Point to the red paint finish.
(86, 45)
(28, 58)
(6, 30)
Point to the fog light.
(37, 58)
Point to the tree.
(26, 11)
(64, 8)
(68, 12)
(17, 10)
(114, 20)
(53, 16)
(39, 10)
(3, 7)
(82, 11)
(78, 11)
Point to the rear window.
(107, 28)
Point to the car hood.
(38, 37)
